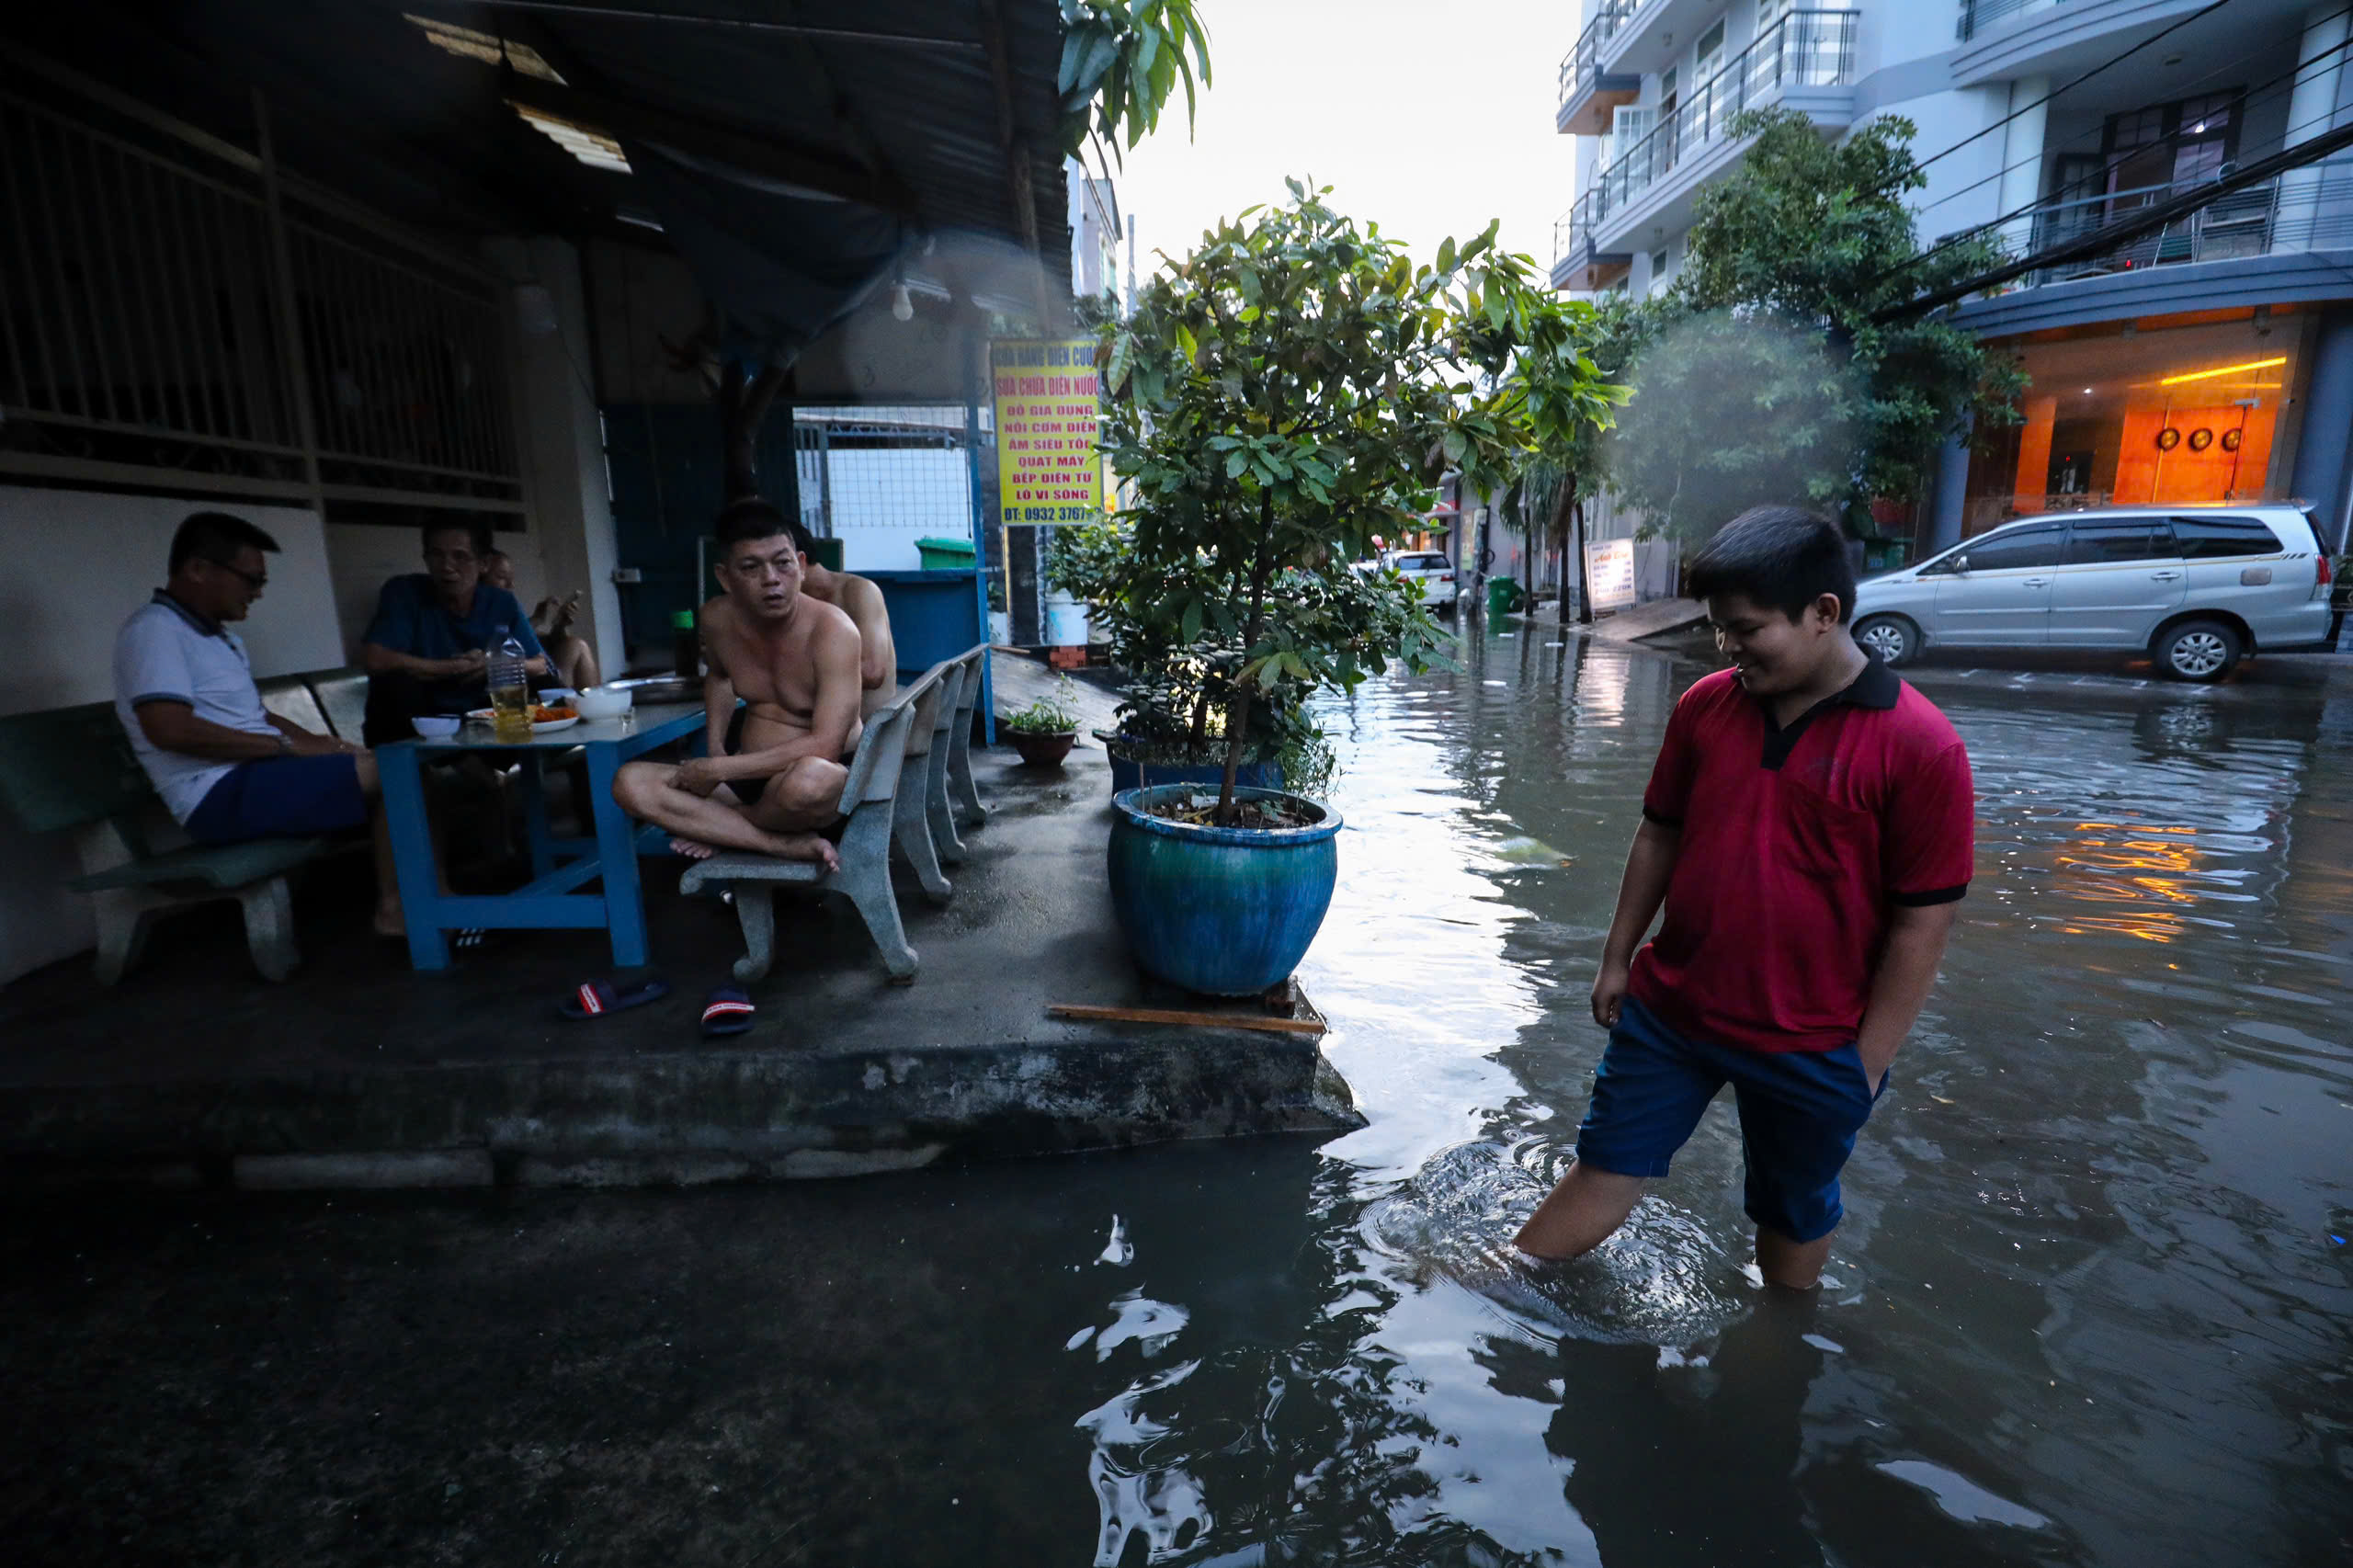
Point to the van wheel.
(2203, 651)
(1891, 637)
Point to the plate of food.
(546, 718)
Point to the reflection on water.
(2084, 1308)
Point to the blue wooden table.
(560, 866)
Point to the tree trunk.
(1237, 712)
(744, 401)
(1585, 589)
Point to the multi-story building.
(2211, 361)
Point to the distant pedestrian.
(1809, 828)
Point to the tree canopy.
(1762, 376)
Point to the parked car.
(1434, 572)
(2198, 588)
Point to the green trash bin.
(938, 553)
(1502, 597)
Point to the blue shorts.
(1799, 1113)
(282, 797)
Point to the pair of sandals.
(728, 1012)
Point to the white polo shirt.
(167, 653)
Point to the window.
(2217, 539)
(2141, 539)
(2037, 546)
(1710, 55)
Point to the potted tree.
(1044, 732)
(1287, 392)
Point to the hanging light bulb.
(902, 307)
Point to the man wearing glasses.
(227, 767)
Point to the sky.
(1429, 119)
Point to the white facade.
(2174, 101)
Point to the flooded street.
(2092, 1302)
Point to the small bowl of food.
(601, 703)
(432, 727)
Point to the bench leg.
(756, 912)
(966, 795)
(122, 931)
(864, 880)
(269, 927)
(938, 809)
(912, 829)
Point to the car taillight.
(2326, 574)
(1448, 576)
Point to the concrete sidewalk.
(359, 1072)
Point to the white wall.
(78, 564)
(563, 443)
(887, 498)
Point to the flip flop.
(729, 1011)
(596, 997)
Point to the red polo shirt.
(1796, 843)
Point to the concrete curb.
(673, 1120)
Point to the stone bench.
(909, 782)
(70, 769)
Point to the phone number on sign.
(1049, 515)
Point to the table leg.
(617, 857)
(536, 830)
(401, 772)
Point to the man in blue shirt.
(429, 649)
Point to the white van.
(2197, 588)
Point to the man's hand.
(462, 666)
(1610, 991)
(302, 743)
(697, 775)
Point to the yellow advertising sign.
(1047, 410)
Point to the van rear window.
(2215, 539)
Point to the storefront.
(2204, 408)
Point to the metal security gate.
(176, 312)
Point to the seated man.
(877, 658)
(228, 769)
(429, 649)
(573, 661)
(774, 772)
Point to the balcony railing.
(2308, 209)
(1805, 48)
(1977, 15)
(1582, 64)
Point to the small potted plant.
(1044, 732)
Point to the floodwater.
(2091, 1303)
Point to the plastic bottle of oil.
(510, 692)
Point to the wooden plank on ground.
(1196, 1020)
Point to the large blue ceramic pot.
(1225, 911)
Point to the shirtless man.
(774, 772)
(877, 659)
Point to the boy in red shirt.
(1809, 829)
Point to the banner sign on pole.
(1610, 573)
(1047, 411)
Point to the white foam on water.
(1961, 1498)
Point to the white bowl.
(601, 703)
(436, 728)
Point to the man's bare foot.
(808, 847)
(692, 849)
(388, 923)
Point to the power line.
(2072, 82)
(2155, 215)
(1968, 235)
(2201, 79)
